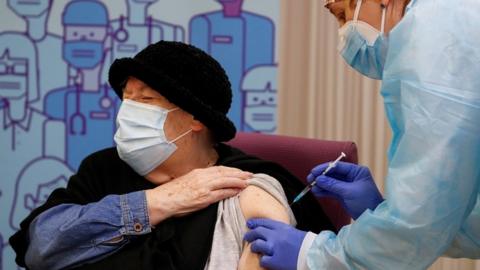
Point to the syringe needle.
(310, 186)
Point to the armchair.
(299, 156)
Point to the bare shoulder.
(255, 202)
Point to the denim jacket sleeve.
(69, 234)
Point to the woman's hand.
(194, 191)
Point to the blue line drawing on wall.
(89, 107)
(8, 260)
(34, 184)
(132, 32)
(239, 40)
(56, 108)
(259, 86)
(1, 250)
(171, 31)
(52, 69)
(135, 31)
(26, 133)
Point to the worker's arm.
(256, 202)
(466, 243)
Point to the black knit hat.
(187, 77)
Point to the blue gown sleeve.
(431, 90)
(467, 242)
(69, 234)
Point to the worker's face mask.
(83, 54)
(362, 46)
(140, 138)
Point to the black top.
(176, 243)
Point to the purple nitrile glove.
(277, 242)
(349, 183)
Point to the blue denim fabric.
(69, 235)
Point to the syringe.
(310, 186)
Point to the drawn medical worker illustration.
(25, 132)
(53, 71)
(1, 249)
(34, 184)
(259, 86)
(136, 30)
(239, 40)
(88, 108)
(171, 32)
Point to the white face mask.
(140, 137)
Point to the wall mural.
(56, 106)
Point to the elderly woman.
(171, 195)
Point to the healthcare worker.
(89, 107)
(431, 90)
(26, 134)
(52, 70)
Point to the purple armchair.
(299, 156)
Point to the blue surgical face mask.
(362, 46)
(140, 138)
(83, 54)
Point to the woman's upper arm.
(256, 202)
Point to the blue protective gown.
(431, 90)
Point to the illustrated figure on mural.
(26, 134)
(1, 250)
(34, 184)
(53, 71)
(259, 86)
(239, 40)
(55, 104)
(89, 107)
(137, 29)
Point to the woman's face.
(177, 121)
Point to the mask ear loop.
(357, 10)
(382, 27)
(182, 135)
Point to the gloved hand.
(349, 183)
(277, 242)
